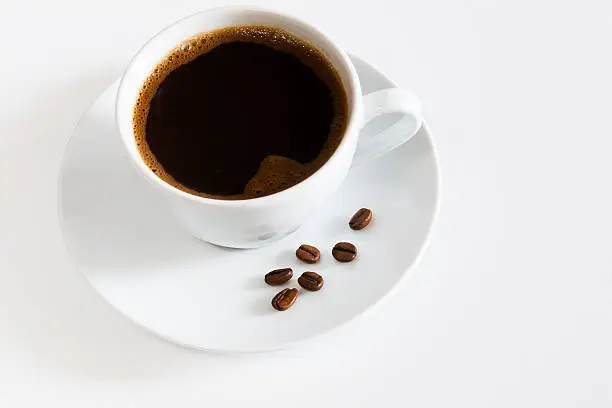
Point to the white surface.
(511, 305)
(212, 298)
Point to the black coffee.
(240, 112)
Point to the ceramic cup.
(259, 221)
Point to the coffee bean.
(344, 251)
(285, 299)
(361, 219)
(311, 281)
(308, 254)
(278, 276)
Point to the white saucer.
(207, 297)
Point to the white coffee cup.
(259, 221)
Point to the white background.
(511, 306)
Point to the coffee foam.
(276, 173)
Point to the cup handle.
(386, 101)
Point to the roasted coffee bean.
(344, 251)
(308, 254)
(361, 219)
(285, 299)
(278, 276)
(311, 281)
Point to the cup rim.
(352, 88)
